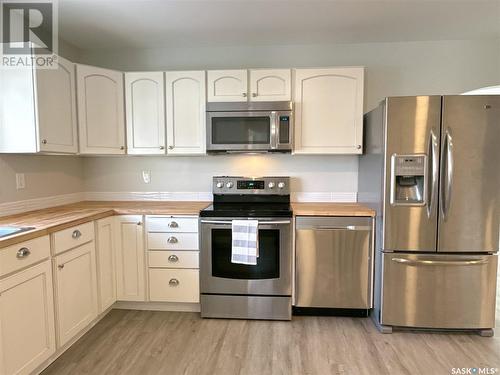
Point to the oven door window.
(241, 130)
(268, 262)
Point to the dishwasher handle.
(346, 227)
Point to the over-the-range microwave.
(249, 127)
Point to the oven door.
(248, 131)
(271, 275)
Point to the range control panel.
(251, 185)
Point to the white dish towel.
(245, 244)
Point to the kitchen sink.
(9, 231)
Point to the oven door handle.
(230, 221)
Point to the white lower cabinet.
(106, 275)
(130, 263)
(174, 285)
(27, 333)
(76, 290)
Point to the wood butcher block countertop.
(331, 209)
(53, 219)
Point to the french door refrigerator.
(431, 168)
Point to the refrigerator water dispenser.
(408, 180)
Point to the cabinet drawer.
(24, 254)
(173, 241)
(174, 285)
(172, 224)
(174, 259)
(72, 237)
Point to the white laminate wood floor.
(145, 342)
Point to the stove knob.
(281, 185)
(220, 185)
(229, 185)
(271, 185)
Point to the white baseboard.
(11, 208)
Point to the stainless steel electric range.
(261, 291)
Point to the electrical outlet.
(146, 176)
(20, 182)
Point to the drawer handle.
(23, 252)
(172, 240)
(76, 234)
(173, 258)
(173, 224)
(173, 282)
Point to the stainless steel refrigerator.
(431, 169)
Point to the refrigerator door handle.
(433, 165)
(422, 262)
(448, 178)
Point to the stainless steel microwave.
(249, 127)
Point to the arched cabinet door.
(100, 110)
(145, 112)
(185, 105)
(56, 93)
(329, 110)
(270, 85)
(227, 85)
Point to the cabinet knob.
(244, 94)
(172, 240)
(173, 282)
(44, 141)
(173, 224)
(76, 234)
(23, 252)
(254, 94)
(170, 147)
(122, 147)
(358, 147)
(61, 266)
(173, 258)
(139, 223)
(162, 147)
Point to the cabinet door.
(76, 291)
(130, 264)
(106, 276)
(329, 111)
(27, 333)
(56, 105)
(227, 85)
(185, 112)
(101, 117)
(144, 102)
(270, 85)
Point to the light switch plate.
(146, 176)
(20, 182)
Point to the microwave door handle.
(274, 130)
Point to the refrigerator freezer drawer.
(439, 291)
(334, 262)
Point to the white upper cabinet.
(270, 85)
(185, 104)
(329, 110)
(38, 110)
(145, 110)
(100, 110)
(227, 85)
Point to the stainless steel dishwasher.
(334, 263)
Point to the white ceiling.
(120, 24)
